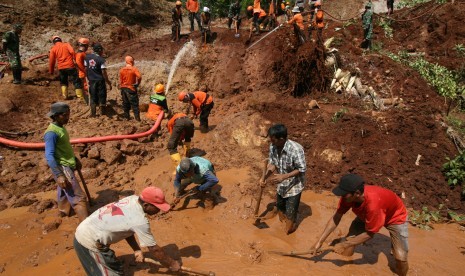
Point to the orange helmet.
(83, 41)
(249, 8)
(178, 3)
(56, 38)
(159, 88)
(182, 95)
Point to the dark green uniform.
(10, 42)
(367, 24)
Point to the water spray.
(190, 48)
(272, 31)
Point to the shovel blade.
(237, 35)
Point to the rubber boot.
(93, 110)
(203, 129)
(102, 110)
(187, 149)
(176, 159)
(137, 117)
(126, 115)
(16, 76)
(64, 92)
(79, 94)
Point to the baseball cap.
(349, 183)
(58, 108)
(185, 165)
(156, 197)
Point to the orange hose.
(32, 145)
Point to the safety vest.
(64, 153)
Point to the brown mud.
(250, 93)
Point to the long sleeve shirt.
(63, 54)
(50, 142)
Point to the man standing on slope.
(10, 43)
(375, 207)
(61, 160)
(63, 54)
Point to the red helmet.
(182, 95)
(83, 41)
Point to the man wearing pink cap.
(115, 222)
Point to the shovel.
(85, 187)
(300, 253)
(183, 268)
(258, 223)
(178, 199)
(237, 35)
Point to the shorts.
(398, 233)
(98, 263)
(71, 195)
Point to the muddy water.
(224, 240)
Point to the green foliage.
(377, 46)
(454, 170)
(460, 49)
(349, 22)
(456, 124)
(413, 3)
(424, 218)
(339, 114)
(454, 217)
(446, 82)
(386, 25)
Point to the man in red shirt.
(375, 207)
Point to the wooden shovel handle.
(183, 268)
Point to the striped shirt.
(292, 158)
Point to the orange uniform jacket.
(128, 76)
(64, 54)
(256, 6)
(271, 9)
(299, 20)
(319, 20)
(199, 100)
(192, 6)
(170, 124)
(80, 56)
(262, 13)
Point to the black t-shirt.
(94, 65)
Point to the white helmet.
(206, 9)
(296, 9)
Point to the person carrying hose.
(63, 54)
(298, 23)
(10, 41)
(181, 130)
(61, 160)
(202, 104)
(157, 103)
(176, 16)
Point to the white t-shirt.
(115, 222)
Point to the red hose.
(37, 57)
(29, 146)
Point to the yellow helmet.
(159, 88)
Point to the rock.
(93, 153)
(27, 164)
(51, 224)
(43, 205)
(25, 200)
(6, 105)
(130, 147)
(332, 156)
(433, 145)
(5, 172)
(313, 104)
(90, 173)
(111, 154)
(101, 166)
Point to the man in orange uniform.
(63, 54)
(318, 24)
(202, 103)
(158, 102)
(83, 44)
(374, 207)
(181, 128)
(193, 7)
(298, 22)
(129, 80)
